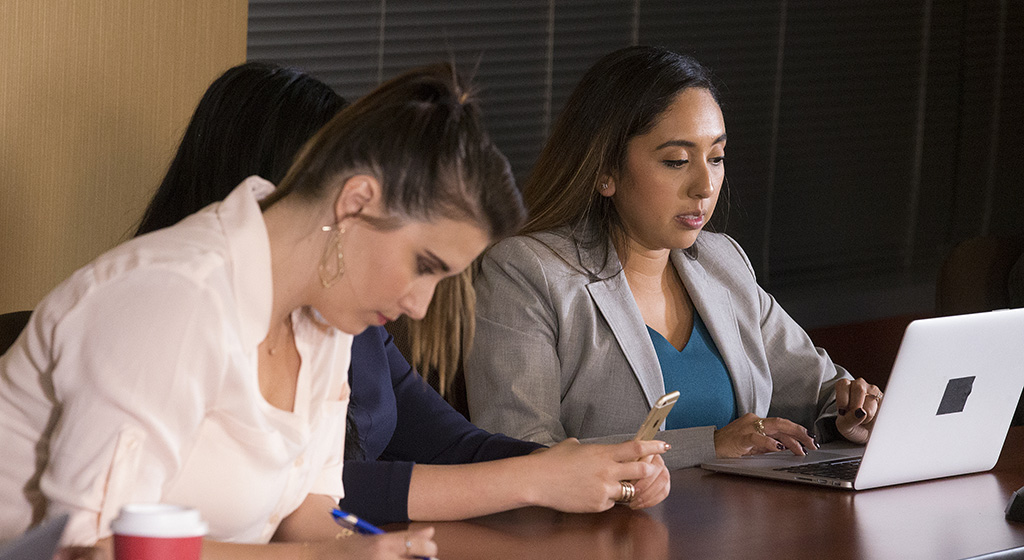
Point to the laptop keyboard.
(842, 469)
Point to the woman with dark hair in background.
(264, 114)
(401, 432)
(614, 294)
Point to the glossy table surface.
(711, 515)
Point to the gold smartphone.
(656, 416)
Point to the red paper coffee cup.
(158, 531)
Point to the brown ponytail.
(421, 134)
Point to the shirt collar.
(248, 245)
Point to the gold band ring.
(759, 427)
(628, 491)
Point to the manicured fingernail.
(859, 413)
(779, 446)
(842, 412)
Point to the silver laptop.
(947, 407)
(38, 543)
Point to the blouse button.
(299, 462)
(275, 519)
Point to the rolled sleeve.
(378, 491)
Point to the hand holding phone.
(656, 416)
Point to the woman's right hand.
(389, 546)
(752, 435)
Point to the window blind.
(865, 137)
(353, 46)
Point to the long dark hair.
(252, 120)
(620, 97)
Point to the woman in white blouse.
(206, 364)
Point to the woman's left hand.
(858, 403)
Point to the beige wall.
(94, 96)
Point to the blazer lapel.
(616, 303)
(714, 304)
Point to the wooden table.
(711, 515)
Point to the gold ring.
(877, 397)
(628, 491)
(759, 427)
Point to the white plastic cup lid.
(158, 520)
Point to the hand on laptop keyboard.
(750, 435)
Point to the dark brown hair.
(252, 120)
(620, 97)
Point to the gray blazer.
(560, 353)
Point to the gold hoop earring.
(332, 256)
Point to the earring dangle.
(603, 187)
(332, 256)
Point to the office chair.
(11, 325)
(975, 275)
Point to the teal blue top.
(706, 396)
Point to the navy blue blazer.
(423, 428)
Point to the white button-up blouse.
(136, 381)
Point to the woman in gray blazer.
(614, 294)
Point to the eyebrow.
(436, 261)
(687, 143)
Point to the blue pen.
(356, 525)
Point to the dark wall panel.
(1008, 172)
(846, 139)
(740, 43)
(338, 42)
(505, 41)
(583, 32)
(941, 132)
